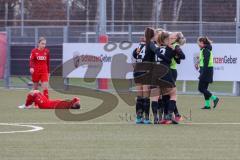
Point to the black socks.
(146, 107)
(139, 107)
(155, 108)
(171, 106)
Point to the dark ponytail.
(205, 40)
(149, 34)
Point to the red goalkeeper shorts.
(43, 77)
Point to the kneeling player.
(43, 102)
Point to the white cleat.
(24, 107)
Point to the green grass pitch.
(213, 135)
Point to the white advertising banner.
(226, 60)
(93, 52)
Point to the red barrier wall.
(3, 53)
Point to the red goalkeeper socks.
(45, 93)
(29, 100)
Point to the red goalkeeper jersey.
(39, 60)
(44, 103)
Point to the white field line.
(29, 124)
(32, 128)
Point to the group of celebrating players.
(159, 46)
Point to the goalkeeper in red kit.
(39, 66)
(43, 102)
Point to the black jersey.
(179, 55)
(165, 55)
(162, 50)
(139, 56)
(150, 52)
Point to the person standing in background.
(40, 66)
(206, 71)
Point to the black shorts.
(174, 74)
(168, 78)
(162, 76)
(136, 75)
(139, 72)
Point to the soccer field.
(38, 134)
